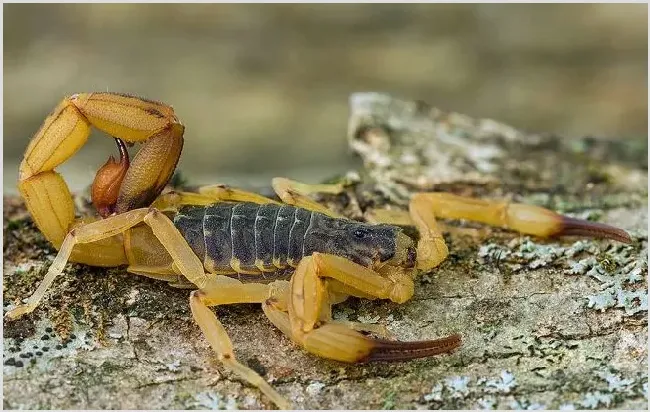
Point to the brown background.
(263, 89)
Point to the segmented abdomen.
(245, 237)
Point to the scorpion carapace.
(296, 258)
(249, 238)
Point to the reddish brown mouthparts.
(108, 180)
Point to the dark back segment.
(301, 223)
(189, 221)
(216, 225)
(264, 236)
(201, 226)
(242, 229)
(251, 239)
(283, 224)
(244, 237)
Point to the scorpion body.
(249, 239)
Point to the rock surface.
(558, 323)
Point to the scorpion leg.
(399, 217)
(396, 217)
(432, 249)
(227, 193)
(208, 195)
(291, 192)
(336, 340)
(221, 291)
(212, 292)
(184, 259)
(91, 232)
(337, 295)
(296, 194)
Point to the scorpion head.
(373, 246)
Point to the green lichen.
(389, 401)
(14, 224)
(593, 400)
(504, 391)
(214, 401)
(620, 270)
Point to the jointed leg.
(188, 264)
(432, 249)
(291, 192)
(91, 232)
(214, 291)
(296, 194)
(208, 195)
(395, 217)
(399, 217)
(339, 294)
(223, 291)
(228, 193)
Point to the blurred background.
(263, 89)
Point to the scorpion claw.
(338, 342)
(108, 180)
(151, 169)
(388, 350)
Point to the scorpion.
(296, 257)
